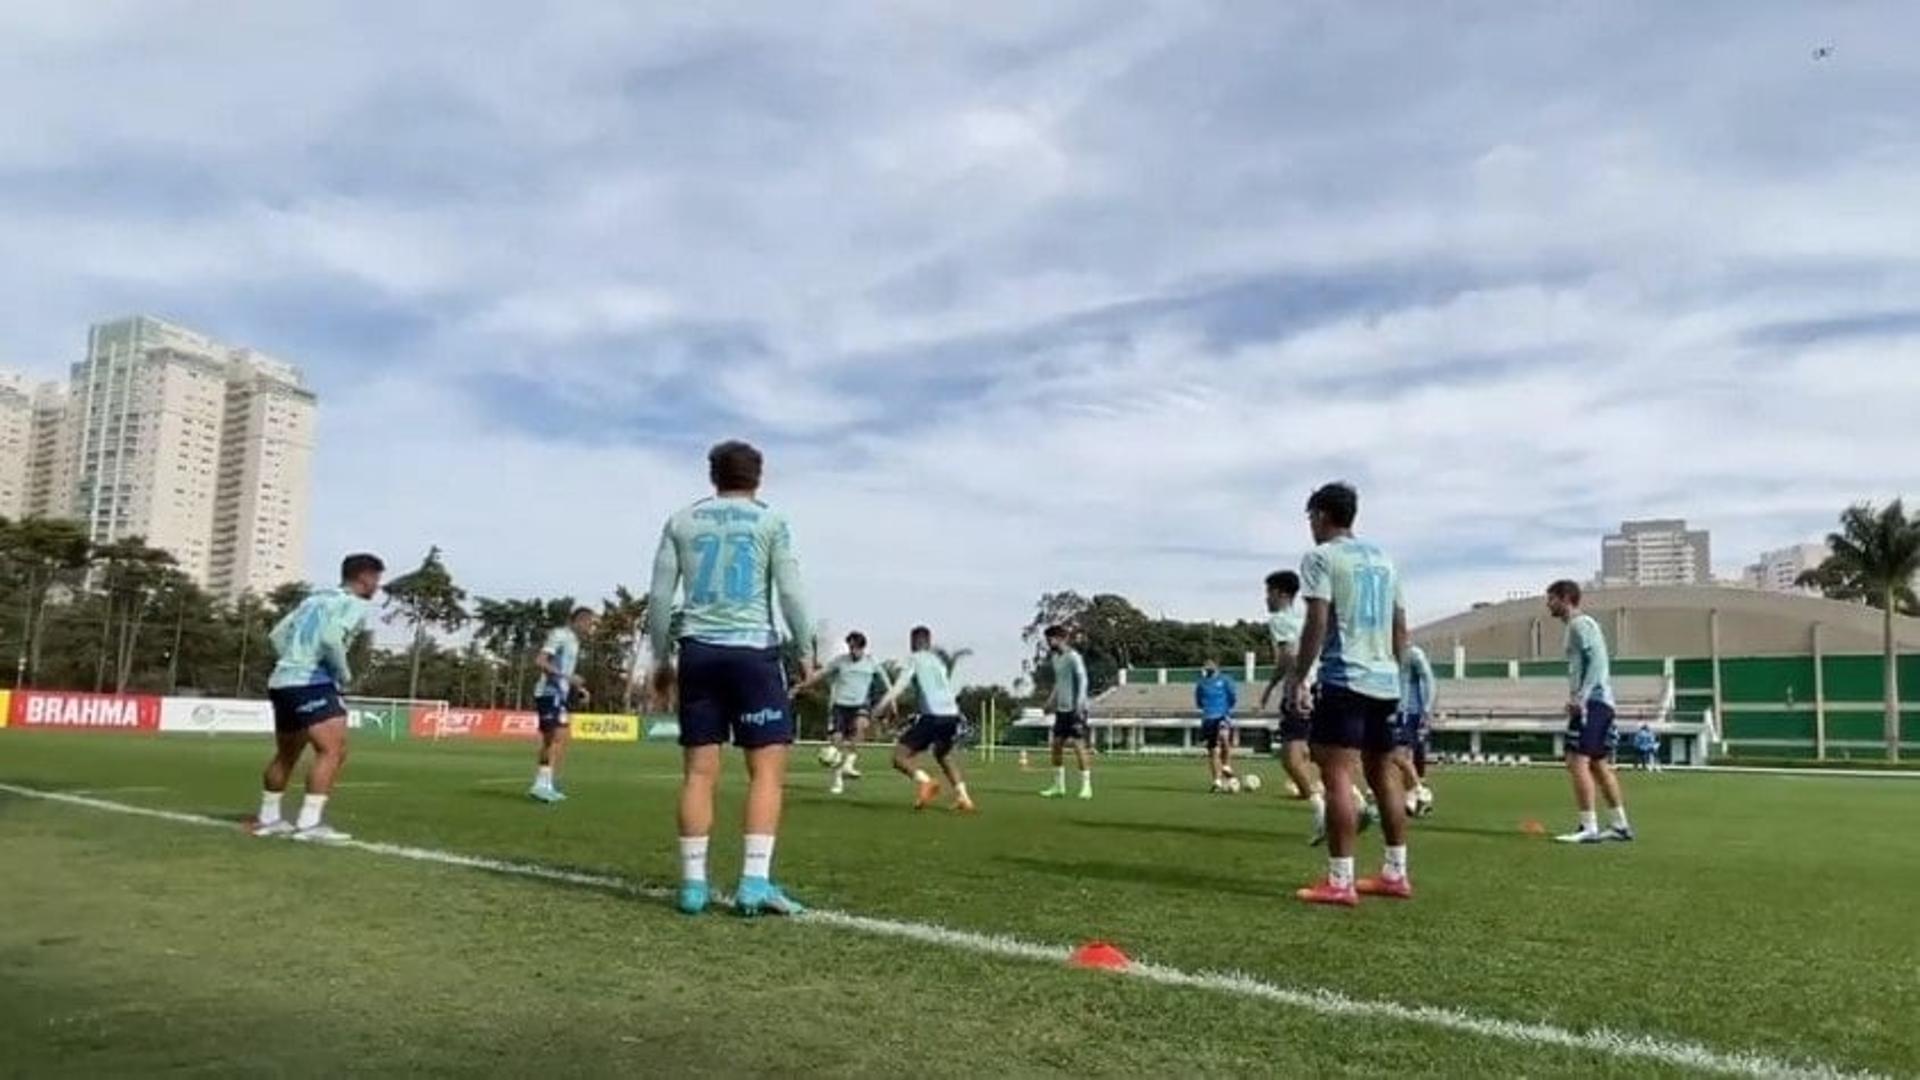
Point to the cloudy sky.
(1016, 296)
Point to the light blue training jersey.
(563, 645)
(311, 641)
(1416, 683)
(1362, 587)
(929, 675)
(1070, 692)
(731, 561)
(1589, 671)
(853, 679)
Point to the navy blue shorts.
(936, 732)
(297, 708)
(1591, 733)
(1411, 730)
(730, 692)
(1216, 731)
(551, 712)
(1069, 725)
(1353, 721)
(1294, 725)
(844, 720)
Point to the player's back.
(301, 640)
(932, 679)
(1362, 588)
(729, 552)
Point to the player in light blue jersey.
(554, 696)
(730, 560)
(850, 708)
(1071, 700)
(937, 727)
(1417, 689)
(1356, 626)
(1646, 746)
(1589, 719)
(311, 645)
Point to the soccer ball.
(829, 756)
(1252, 782)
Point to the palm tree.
(1874, 559)
(425, 599)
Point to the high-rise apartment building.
(1779, 571)
(201, 448)
(1656, 552)
(16, 443)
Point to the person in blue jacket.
(1215, 696)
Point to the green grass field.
(1760, 915)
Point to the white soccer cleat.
(322, 834)
(1581, 836)
(283, 827)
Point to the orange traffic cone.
(1100, 956)
(1533, 828)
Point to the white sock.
(960, 792)
(759, 862)
(848, 760)
(1319, 804)
(1360, 797)
(1589, 821)
(693, 858)
(1396, 867)
(1424, 794)
(544, 777)
(1060, 777)
(310, 810)
(1340, 871)
(269, 808)
(1620, 817)
(1086, 780)
(920, 777)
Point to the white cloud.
(1020, 297)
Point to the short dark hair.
(857, 639)
(920, 632)
(1337, 502)
(1565, 589)
(1056, 631)
(360, 563)
(735, 466)
(579, 611)
(1285, 581)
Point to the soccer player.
(1357, 625)
(1283, 629)
(311, 644)
(936, 728)
(1416, 706)
(1070, 702)
(1647, 745)
(1214, 695)
(853, 675)
(553, 695)
(730, 558)
(1589, 719)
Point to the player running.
(1071, 698)
(553, 697)
(1284, 621)
(1215, 696)
(1357, 625)
(852, 675)
(1589, 719)
(936, 728)
(311, 644)
(734, 556)
(1410, 750)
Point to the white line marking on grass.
(1602, 1041)
(366, 783)
(120, 790)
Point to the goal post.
(393, 716)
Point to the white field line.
(120, 790)
(1601, 1041)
